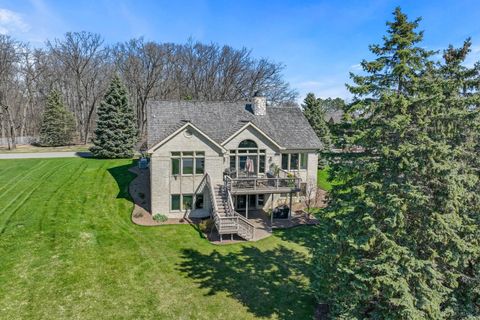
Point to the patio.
(264, 227)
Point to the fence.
(19, 140)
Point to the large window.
(294, 161)
(188, 163)
(184, 201)
(248, 159)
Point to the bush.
(206, 226)
(158, 217)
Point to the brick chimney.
(259, 104)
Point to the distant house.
(224, 159)
(334, 117)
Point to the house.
(225, 159)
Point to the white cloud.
(11, 22)
(356, 67)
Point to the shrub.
(158, 217)
(206, 226)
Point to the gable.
(251, 133)
(187, 138)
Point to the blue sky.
(320, 42)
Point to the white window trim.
(182, 209)
(194, 156)
(301, 154)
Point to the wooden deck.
(255, 185)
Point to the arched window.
(247, 159)
(247, 144)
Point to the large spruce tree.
(461, 98)
(400, 234)
(116, 132)
(58, 125)
(315, 114)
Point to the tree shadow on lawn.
(307, 236)
(266, 282)
(123, 177)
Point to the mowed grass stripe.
(21, 198)
(9, 183)
(71, 251)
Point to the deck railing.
(245, 228)
(261, 184)
(231, 224)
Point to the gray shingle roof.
(334, 116)
(219, 120)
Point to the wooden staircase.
(227, 220)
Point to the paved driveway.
(45, 155)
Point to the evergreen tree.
(461, 87)
(58, 125)
(315, 114)
(401, 232)
(115, 135)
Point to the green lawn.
(69, 250)
(322, 179)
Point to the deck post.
(246, 207)
(290, 211)
(271, 215)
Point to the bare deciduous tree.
(80, 66)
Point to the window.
(239, 158)
(261, 166)
(294, 161)
(188, 163)
(285, 161)
(187, 201)
(248, 144)
(175, 166)
(175, 202)
(199, 165)
(303, 160)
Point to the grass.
(69, 250)
(35, 149)
(322, 179)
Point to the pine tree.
(399, 233)
(115, 135)
(58, 124)
(461, 87)
(316, 117)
